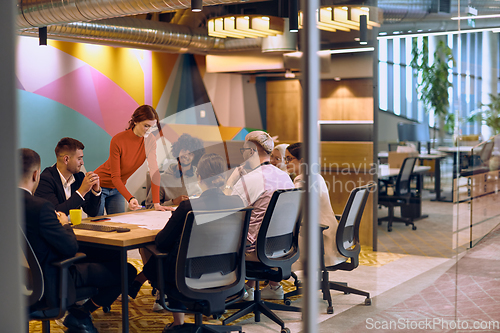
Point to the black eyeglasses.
(242, 150)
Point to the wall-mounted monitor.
(413, 132)
(345, 130)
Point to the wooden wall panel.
(346, 100)
(346, 155)
(284, 109)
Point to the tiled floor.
(467, 293)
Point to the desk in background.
(437, 169)
(137, 237)
(458, 153)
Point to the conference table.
(143, 225)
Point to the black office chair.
(401, 194)
(210, 266)
(478, 162)
(34, 288)
(277, 249)
(347, 240)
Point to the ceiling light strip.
(248, 26)
(440, 33)
(474, 17)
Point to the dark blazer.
(51, 188)
(50, 240)
(169, 237)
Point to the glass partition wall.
(443, 73)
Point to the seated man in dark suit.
(52, 239)
(65, 185)
(210, 175)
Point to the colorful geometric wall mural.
(89, 92)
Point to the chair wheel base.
(287, 301)
(329, 310)
(389, 229)
(368, 301)
(285, 330)
(413, 228)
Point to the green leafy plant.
(433, 80)
(490, 115)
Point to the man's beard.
(184, 164)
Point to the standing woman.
(295, 165)
(127, 152)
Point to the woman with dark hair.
(179, 181)
(210, 176)
(127, 152)
(295, 165)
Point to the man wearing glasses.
(256, 188)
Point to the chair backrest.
(277, 242)
(347, 237)
(211, 259)
(485, 154)
(404, 177)
(33, 283)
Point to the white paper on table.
(152, 220)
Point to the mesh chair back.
(347, 237)
(485, 154)
(34, 281)
(211, 252)
(279, 229)
(404, 176)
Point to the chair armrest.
(154, 250)
(70, 261)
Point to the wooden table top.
(135, 236)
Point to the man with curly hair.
(179, 181)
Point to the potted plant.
(488, 114)
(433, 83)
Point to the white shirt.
(67, 185)
(326, 217)
(255, 189)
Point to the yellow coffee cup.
(75, 216)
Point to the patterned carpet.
(143, 319)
